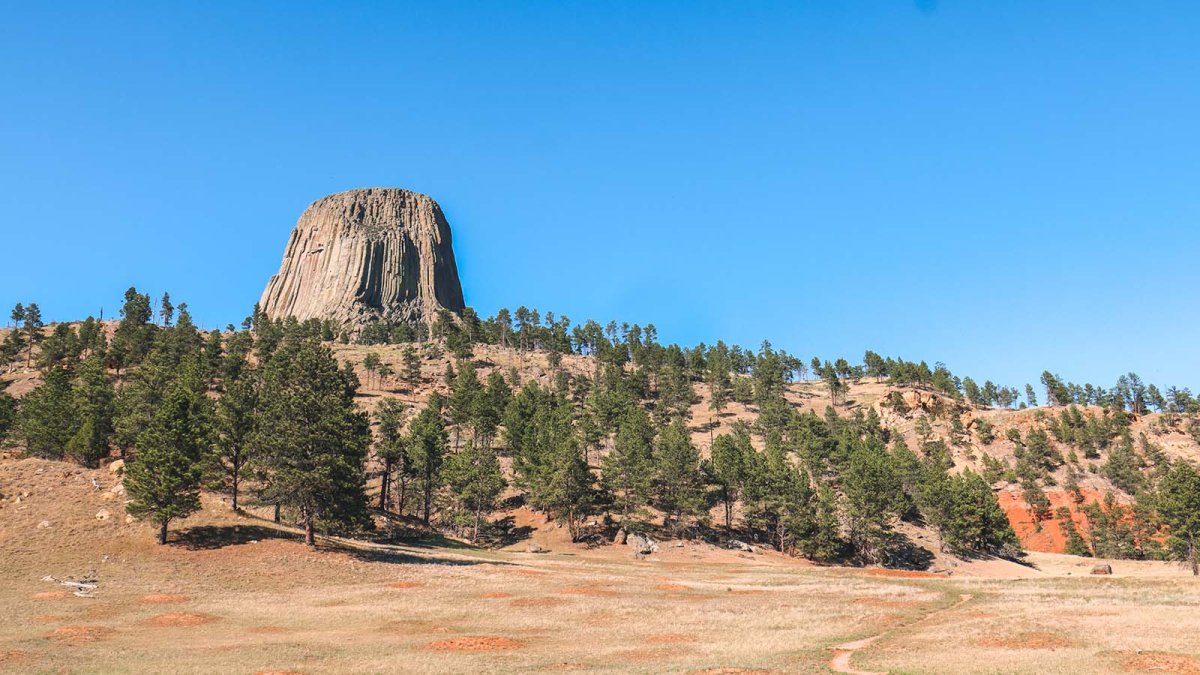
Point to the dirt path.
(840, 663)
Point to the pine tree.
(47, 420)
(371, 365)
(166, 310)
(163, 480)
(313, 441)
(678, 483)
(94, 409)
(476, 482)
(727, 465)
(629, 467)
(1179, 506)
(236, 411)
(389, 447)
(33, 330)
(875, 499)
(426, 446)
(411, 369)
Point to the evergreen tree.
(371, 364)
(166, 310)
(410, 371)
(163, 480)
(426, 446)
(134, 335)
(678, 483)
(727, 465)
(1179, 507)
(94, 409)
(389, 447)
(629, 467)
(33, 330)
(236, 413)
(312, 439)
(875, 499)
(8, 414)
(47, 421)
(476, 481)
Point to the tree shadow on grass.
(504, 532)
(398, 557)
(207, 537)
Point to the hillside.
(1074, 483)
(1043, 534)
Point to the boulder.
(117, 466)
(1103, 570)
(367, 255)
(641, 544)
(619, 538)
(103, 514)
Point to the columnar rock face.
(367, 255)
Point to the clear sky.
(1003, 186)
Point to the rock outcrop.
(367, 255)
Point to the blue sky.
(1003, 186)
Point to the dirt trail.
(840, 663)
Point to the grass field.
(236, 594)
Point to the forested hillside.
(463, 425)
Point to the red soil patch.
(587, 590)
(278, 672)
(48, 618)
(901, 574)
(527, 573)
(266, 630)
(1049, 537)
(672, 587)
(475, 643)
(50, 595)
(179, 619)
(164, 599)
(1160, 662)
(669, 638)
(12, 656)
(416, 626)
(728, 671)
(651, 654)
(495, 595)
(885, 603)
(1028, 640)
(80, 633)
(537, 602)
(405, 584)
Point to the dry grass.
(237, 594)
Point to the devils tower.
(375, 254)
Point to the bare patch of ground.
(476, 643)
(1160, 662)
(180, 619)
(164, 599)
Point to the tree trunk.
(234, 484)
(383, 487)
(403, 494)
(428, 498)
(728, 509)
(475, 535)
(310, 536)
(162, 532)
(1192, 554)
(276, 518)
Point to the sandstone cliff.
(366, 255)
